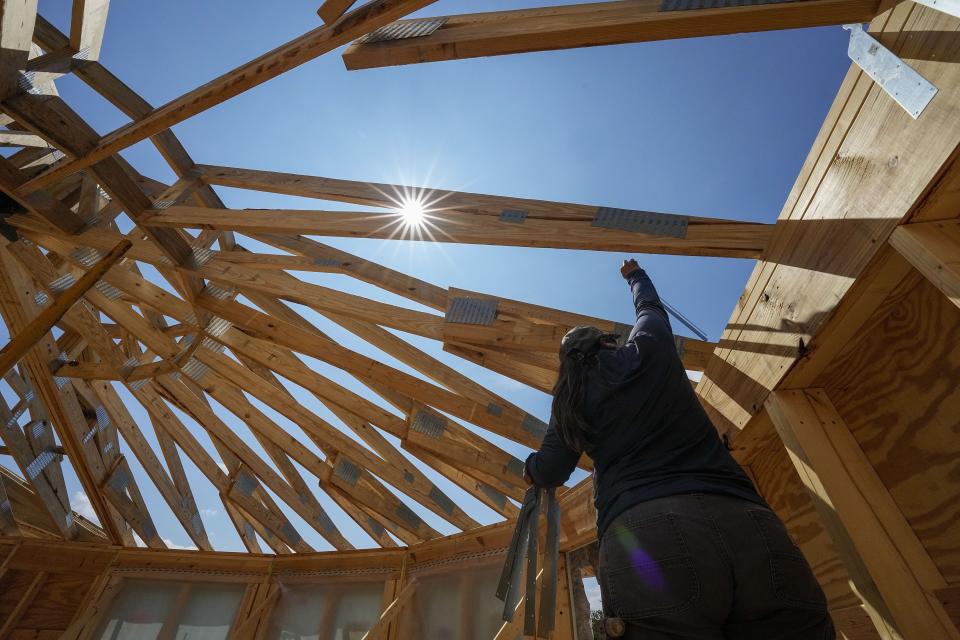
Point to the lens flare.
(413, 211)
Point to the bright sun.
(411, 208)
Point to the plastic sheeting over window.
(455, 602)
(145, 610)
(341, 610)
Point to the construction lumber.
(331, 10)
(17, 18)
(588, 25)
(40, 325)
(933, 248)
(835, 222)
(88, 19)
(288, 56)
(839, 475)
(702, 237)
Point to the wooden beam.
(379, 630)
(836, 221)
(934, 249)
(17, 18)
(822, 447)
(590, 25)
(87, 23)
(703, 236)
(39, 326)
(21, 139)
(331, 10)
(288, 56)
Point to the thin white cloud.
(81, 504)
(209, 512)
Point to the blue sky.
(709, 127)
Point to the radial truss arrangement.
(836, 382)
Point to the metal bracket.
(346, 471)
(404, 29)
(480, 311)
(428, 424)
(534, 426)
(516, 216)
(951, 7)
(648, 222)
(908, 88)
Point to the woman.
(688, 548)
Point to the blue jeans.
(709, 567)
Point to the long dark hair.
(568, 397)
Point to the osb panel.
(780, 485)
(898, 389)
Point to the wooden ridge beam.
(589, 25)
(288, 56)
(702, 237)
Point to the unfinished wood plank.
(703, 237)
(821, 444)
(934, 249)
(837, 220)
(40, 325)
(588, 25)
(288, 56)
(87, 23)
(17, 18)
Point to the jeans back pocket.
(791, 577)
(646, 569)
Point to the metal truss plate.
(347, 471)
(428, 424)
(901, 82)
(680, 343)
(403, 30)
(687, 5)
(647, 222)
(516, 466)
(534, 426)
(442, 501)
(516, 216)
(409, 516)
(40, 463)
(245, 483)
(495, 496)
(480, 311)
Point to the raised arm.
(652, 318)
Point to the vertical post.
(865, 522)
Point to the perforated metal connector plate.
(647, 222)
(403, 30)
(480, 311)
(347, 471)
(901, 82)
(428, 424)
(516, 216)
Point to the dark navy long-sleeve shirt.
(650, 437)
